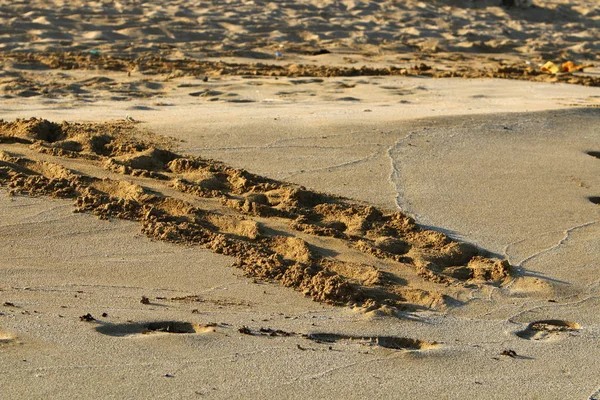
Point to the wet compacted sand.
(301, 200)
(152, 274)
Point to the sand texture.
(258, 29)
(316, 199)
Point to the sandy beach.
(325, 199)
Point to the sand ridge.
(125, 77)
(150, 64)
(233, 230)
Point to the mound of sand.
(234, 229)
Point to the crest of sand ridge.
(275, 230)
(150, 64)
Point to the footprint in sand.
(303, 81)
(595, 154)
(388, 342)
(548, 329)
(241, 101)
(348, 98)
(146, 328)
(6, 337)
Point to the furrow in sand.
(332, 249)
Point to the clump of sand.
(234, 230)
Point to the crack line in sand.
(496, 310)
(274, 144)
(335, 369)
(37, 214)
(80, 285)
(554, 305)
(506, 249)
(567, 234)
(331, 167)
(301, 138)
(58, 235)
(595, 395)
(291, 146)
(508, 246)
(161, 364)
(47, 221)
(395, 173)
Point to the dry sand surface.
(342, 220)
